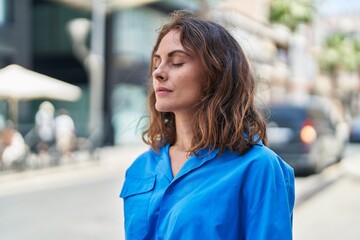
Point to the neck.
(184, 133)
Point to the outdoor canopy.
(18, 83)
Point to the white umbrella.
(18, 83)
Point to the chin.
(162, 108)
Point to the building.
(107, 53)
(336, 17)
(267, 46)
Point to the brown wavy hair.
(226, 116)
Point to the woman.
(208, 174)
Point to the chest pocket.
(136, 193)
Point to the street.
(331, 214)
(76, 202)
(331, 210)
(70, 202)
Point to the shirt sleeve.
(270, 201)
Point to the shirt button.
(170, 191)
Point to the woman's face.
(177, 76)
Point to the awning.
(19, 83)
(110, 4)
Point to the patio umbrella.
(18, 83)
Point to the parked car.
(355, 130)
(307, 135)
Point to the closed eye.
(177, 64)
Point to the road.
(72, 202)
(81, 211)
(76, 202)
(332, 214)
(331, 211)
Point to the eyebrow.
(170, 54)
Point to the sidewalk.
(308, 187)
(112, 160)
(331, 214)
(89, 191)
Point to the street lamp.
(79, 30)
(93, 61)
(93, 58)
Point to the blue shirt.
(230, 196)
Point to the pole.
(96, 71)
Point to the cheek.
(194, 91)
(201, 84)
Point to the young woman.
(208, 174)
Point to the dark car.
(306, 135)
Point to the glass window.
(50, 35)
(5, 12)
(135, 32)
(2, 12)
(129, 108)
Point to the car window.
(286, 117)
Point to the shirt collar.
(192, 163)
(196, 161)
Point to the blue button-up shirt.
(230, 196)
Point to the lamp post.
(93, 61)
(93, 58)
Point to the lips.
(162, 90)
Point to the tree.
(291, 13)
(340, 61)
(341, 52)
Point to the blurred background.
(73, 84)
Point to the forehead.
(170, 42)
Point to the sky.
(339, 6)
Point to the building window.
(5, 12)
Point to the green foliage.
(340, 52)
(291, 13)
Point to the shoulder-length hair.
(226, 116)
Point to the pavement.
(112, 161)
(331, 214)
(115, 160)
(307, 187)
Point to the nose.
(160, 73)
